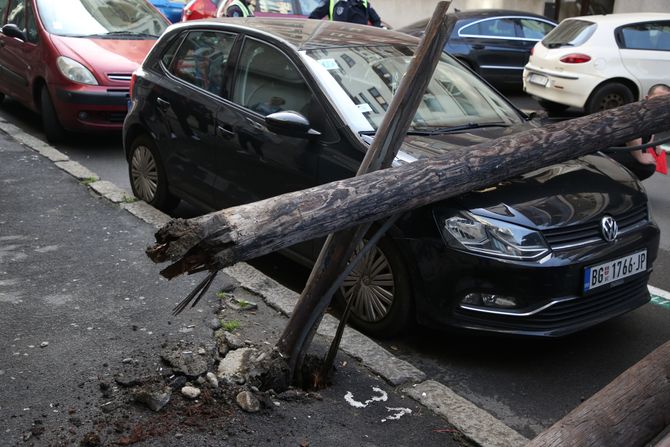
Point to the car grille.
(590, 232)
(566, 316)
(116, 117)
(119, 77)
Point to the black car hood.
(568, 193)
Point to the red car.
(200, 9)
(72, 60)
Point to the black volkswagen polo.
(547, 253)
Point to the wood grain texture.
(630, 411)
(245, 232)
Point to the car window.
(79, 18)
(307, 6)
(17, 13)
(267, 81)
(646, 36)
(31, 26)
(370, 76)
(201, 60)
(275, 6)
(570, 33)
(503, 27)
(534, 29)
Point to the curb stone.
(76, 169)
(475, 423)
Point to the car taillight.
(132, 84)
(575, 58)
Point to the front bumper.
(551, 289)
(91, 108)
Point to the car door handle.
(478, 47)
(162, 104)
(225, 130)
(256, 125)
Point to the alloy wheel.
(371, 286)
(144, 173)
(611, 101)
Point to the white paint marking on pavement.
(383, 397)
(659, 292)
(399, 412)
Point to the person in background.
(235, 8)
(352, 11)
(641, 162)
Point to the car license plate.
(538, 79)
(607, 272)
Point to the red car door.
(19, 58)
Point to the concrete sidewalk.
(87, 329)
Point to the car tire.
(147, 174)
(380, 286)
(2, 97)
(609, 96)
(552, 107)
(50, 123)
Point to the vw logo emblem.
(609, 228)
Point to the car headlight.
(75, 71)
(493, 237)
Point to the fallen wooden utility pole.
(339, 247)
(630, 411)
(223, 238)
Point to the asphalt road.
(527, 383)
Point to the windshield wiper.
(559, 45)
(122, 33)
(428, 130)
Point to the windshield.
(115, 18)
(570, 33)
(370, 76)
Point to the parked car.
(230, 111)
(199, 9)
(494, 43)
(73, 66)
(172, 9)
(599, 62)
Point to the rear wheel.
(2, 97)
(380, 289)
(50, 123)
(552, 107)
(147, 175)
(609, 96)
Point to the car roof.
(623, 18)
(306, 34)
(486, 13)
(475, 14)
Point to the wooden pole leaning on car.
(339, 247)
(223, 238)
(631, 410)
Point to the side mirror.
(291, 124)
(11, 30)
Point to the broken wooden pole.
(222, 238)
(339, 247)
(630, 411)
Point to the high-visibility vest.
(332, 7)
(242, 6)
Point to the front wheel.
(380, 289)
(609, 96)
(147, 175)
(50, 123)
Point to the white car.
(599, 62)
